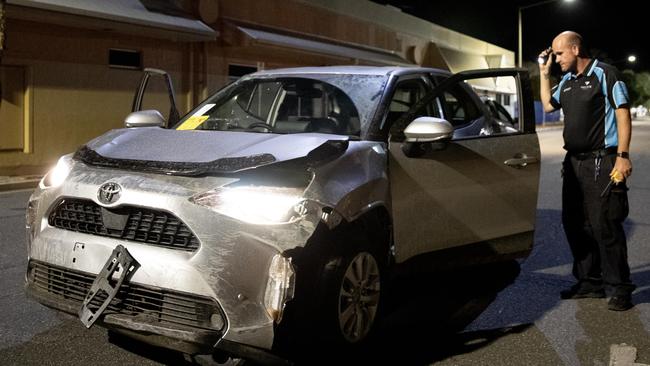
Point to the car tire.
(340, 288)
(352, 288)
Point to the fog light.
(279, 287)
(31, 273)
(216, 321)
(30, 222)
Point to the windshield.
(334, 104)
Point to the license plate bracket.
(120, 264)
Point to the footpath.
(20, 177)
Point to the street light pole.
(519, 37)
(520, 27)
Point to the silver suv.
(280, 203)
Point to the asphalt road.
(569, 332)
(511, 314)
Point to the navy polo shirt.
(589, 101)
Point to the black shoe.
(576, 293)
(620, 303)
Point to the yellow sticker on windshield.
(192, 122)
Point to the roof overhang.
(461, 61)
(122, 16)
(373, 55)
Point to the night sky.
(612, 29)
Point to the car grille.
(152, 304)
(128, 223)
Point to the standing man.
(597, 132)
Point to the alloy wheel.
(359, 297)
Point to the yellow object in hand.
(616, 176)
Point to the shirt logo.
(567, 89)
(109, 193)
(587, 82)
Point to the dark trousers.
(594, 224)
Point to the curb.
(19, 184)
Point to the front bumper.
(148, 321)
(230, 266)
(175, 320)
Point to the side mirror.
(146, 118)
(428, 129)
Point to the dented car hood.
(195, 152)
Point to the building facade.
(69, 69)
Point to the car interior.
(285, 106)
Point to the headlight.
(255, 204)
(279, 287)
(58, 174)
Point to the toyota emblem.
(109, 193)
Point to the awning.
(461, 61)
(124, 16)
(374, 55)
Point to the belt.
(595, 153)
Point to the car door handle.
(521, 161)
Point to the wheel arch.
(320, 267)
(373, 224)
(377, 224)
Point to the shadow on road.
(153, 353)
(425, 315)
(422, 321)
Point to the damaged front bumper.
(62, 289)
(180, 321)
(197, 298)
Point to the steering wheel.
(221, 124)
(262, 125)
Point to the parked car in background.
(639, 111)
(280, 203)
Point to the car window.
(406, 94)
(334, 104)
(316, 108)
(459, 106)
(498, 111)
(258, 99)
(476, 116)
(284, 105)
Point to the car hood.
(195, 152)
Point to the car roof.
(348, 70)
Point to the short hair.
(575, 39)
